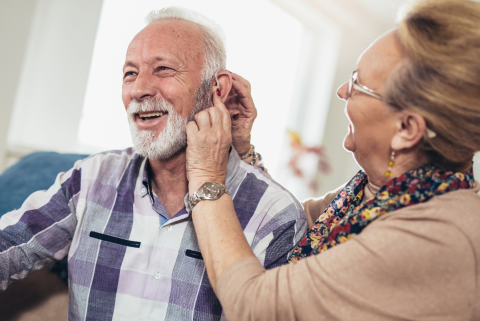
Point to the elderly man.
(124, 217)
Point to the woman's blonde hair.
(441, 77)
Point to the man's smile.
(154, 120)
(151, 115)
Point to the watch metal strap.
(194, 199)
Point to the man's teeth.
(153, 114)
(147, 116)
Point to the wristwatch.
(208, 191)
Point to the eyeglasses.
(354, 84)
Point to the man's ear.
(410, 130)
(225, 82)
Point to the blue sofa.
(42, 295)
(32, 173)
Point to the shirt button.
(143, 190)
(169, 228)
(157, 276)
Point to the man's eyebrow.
(129, 64)
(162, 58)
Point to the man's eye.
(163, 68)
(130, 73)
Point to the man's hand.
(208, 141)
(243, 112)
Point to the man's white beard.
(173, 137)
(168, 142)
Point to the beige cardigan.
(416, 263)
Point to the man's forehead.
(171, 34)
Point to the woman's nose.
(342, 91)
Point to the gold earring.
(388, 173)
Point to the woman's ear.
(225, 82)
(410, 130)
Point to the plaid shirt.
(127, 259)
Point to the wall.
(53, 78)
(14, 31)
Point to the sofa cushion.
(32, 173)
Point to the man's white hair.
(213, 36)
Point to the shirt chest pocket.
(113, 239)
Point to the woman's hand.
(243, 112)
(208, 141)
(219, 233)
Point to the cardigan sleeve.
(402, 266)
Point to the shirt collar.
(233, 164)
(146, 182)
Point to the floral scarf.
(347, 216)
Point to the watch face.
(209, 191)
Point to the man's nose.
(143, 88)
(342, 91)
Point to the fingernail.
(218, 92)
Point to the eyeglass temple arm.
(367, 91)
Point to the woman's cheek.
(349, 142)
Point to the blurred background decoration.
(307, 165)
(61, 63)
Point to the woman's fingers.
(223, 113)
(208, 141)
(203, 120)
(239, 101)
(240, 81)
(241, 89)
(191, 129)
(214, 117)
(243, 113)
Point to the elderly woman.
(400, 240)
